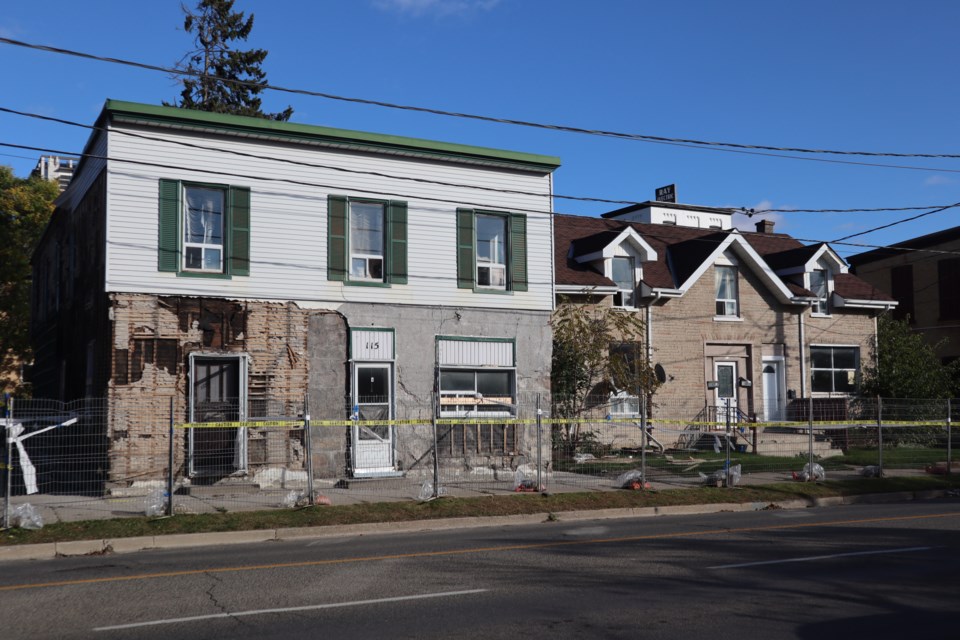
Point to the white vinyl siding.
(288, 218)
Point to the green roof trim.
(261, 127)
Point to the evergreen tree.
(25, 208)
(220, 67)
(905, 365)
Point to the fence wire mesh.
(98, 458)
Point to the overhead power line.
(895, 223)
(233, 174)
(525, 123)
(747, 211)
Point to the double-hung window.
(726, 286)
(624, 275)
(491, 250)
(204, 229)
(624, 370)
(818, 286)
(203, 219)
(366, 241)
(834, 369)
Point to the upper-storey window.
(624, 275)
(948, 275)
(727, 295)
(819, 288)
(366, 241)
(204, 229)
(203, 219)
(491, 251)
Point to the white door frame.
(718, 393)
(357, 442)
(780, 399)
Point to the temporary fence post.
(436, 453)
(949, 438)
(880, 436)
(643, 441)
(810, 439)
(727, 463)
(170, 460)
(9, 469)
(308, 448)
(539, 445)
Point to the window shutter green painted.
(465, 249)
(168, 246)
(239, 247)
(397, 228)
(336, 238)
(518, 252)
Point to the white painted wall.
(288, 248)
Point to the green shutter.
(239, 247)
(397, 249)
(168, 247)
(518, 252)
(336, 238)
(466, 269)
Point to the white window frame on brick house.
(822, 370)
(726, 307)
(819, 281)
(626, 296)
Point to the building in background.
(57, 169)
(923, 275)
(764, 317)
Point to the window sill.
(204, 274)
(366, 283)
(821, 315)
(727, 319)
(499, 292)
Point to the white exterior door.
(373, 450)
(773, 403)
(726, 391)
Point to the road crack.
(217, 581)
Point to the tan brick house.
(770, 320)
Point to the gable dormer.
(619, 256)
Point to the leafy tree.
(229, 81)
(25, 208)
(597, 350)
(904, 365)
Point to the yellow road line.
(454, 552)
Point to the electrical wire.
(471, 116)
(896, 222)
(746, 211)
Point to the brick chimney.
(765, 226)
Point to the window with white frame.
(624, 357)
(834, 369)
(491, 251)
(624, 276)
(366, 241)
(818, 285)
(203, 224)
(727, 295)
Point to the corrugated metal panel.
(475, 353)
(288, 230)
(371, 344)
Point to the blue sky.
(856, 75)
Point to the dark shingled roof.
(922, 242)
(680, 252)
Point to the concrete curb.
(179, 541)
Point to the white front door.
(726, 391)
(373, 452)
(773, 406)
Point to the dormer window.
(624, 275)
(727, 295)
(819, 287)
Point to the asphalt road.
(865, 571)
